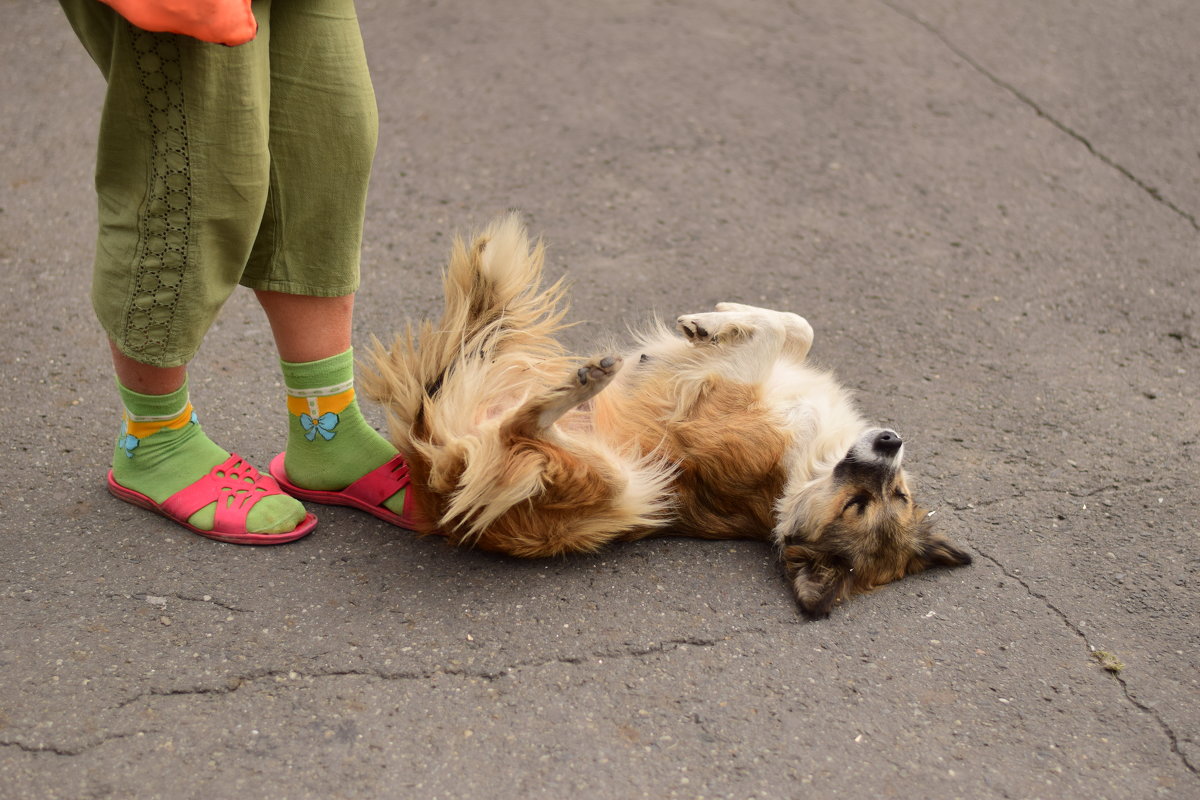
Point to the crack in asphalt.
(1024, 493)
(665, 646)
(1156, 195)
(235, 682)
(1139, 705)
(153, 599)
(1153, 191)
(66, 750)
(210, 600)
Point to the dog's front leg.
(797, 332)
(773, 332)
(816, 584)
(748, 341)
(535, 416)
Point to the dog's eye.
(901, 496)
(859, 500)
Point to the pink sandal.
(368, 493)
(236, 487)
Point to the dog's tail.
(494, 295)
(495, 305)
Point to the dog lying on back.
(517, 447)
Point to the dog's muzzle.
(877, 453)
(886, 443)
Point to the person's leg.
(305, 264)
(181, 180)
(146, 378)
(330, 444)
(161, 449)
(308, 328)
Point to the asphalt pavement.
(989, 214)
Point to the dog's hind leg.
(535, 416)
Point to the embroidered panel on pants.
(166, 218)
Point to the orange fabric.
(228, 22)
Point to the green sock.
(330, 445)
(162, 449)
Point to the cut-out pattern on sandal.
(234, 485)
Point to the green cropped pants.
(224, 165)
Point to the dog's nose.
(887, 443)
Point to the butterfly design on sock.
(128, 442)
(323, 425)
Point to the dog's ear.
(816, 583)
(938, 551)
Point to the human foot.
(164, 461)
(333, 455)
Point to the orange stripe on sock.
(316, 406)
(142, 429)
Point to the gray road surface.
(987, 211)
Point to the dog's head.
(862, 529)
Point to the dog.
(724, 432)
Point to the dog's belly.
(726, 442)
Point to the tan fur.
(516, 447)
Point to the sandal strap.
(233, 484)
(381, 483)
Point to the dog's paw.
(596, 374)
(711, 328)
(691, 327)
(538, 413)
